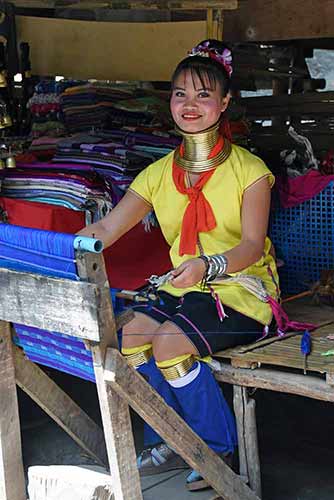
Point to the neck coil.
(194, 155)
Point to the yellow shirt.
(224, 191)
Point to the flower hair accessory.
(222, 57)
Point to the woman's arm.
(254, 223)
(127, 213)
(254, 227)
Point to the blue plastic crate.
(304, 239)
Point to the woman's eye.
(179, 93)
(204, 94)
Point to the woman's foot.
(159, 459)
(195, 481)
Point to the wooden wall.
(270, 20)
(102, 50)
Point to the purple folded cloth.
(49, 166)
(294, 191)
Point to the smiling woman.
(200, 87)
(211, 199)
(195, 106)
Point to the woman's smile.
(191, 116)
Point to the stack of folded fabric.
(85, 191)
(86, 107)
(45, 107)
(118, 156)
(99, 105)
(43, 148)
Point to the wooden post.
(209, 23)
(60, 407)
(12, 483)
(220, 24)
(244, 409)
(114, 409)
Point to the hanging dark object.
(8, 37)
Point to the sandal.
(159, 459)
(195, 481)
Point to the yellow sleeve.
(141, 186)
(148, 182)
(253, 169)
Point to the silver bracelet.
(217, 267)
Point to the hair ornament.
(222, 57)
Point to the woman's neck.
(195, 155)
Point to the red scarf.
(198, 216)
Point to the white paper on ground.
(62, 482)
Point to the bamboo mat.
(278, 351)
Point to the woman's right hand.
(188, 273)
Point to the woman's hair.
(210, 61)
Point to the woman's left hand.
(188, 273)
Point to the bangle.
(217, 267)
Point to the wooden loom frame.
(65, 303)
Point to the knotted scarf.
(198, 216)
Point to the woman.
(212, 202)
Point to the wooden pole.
(244, 409)
(114, 409)
(60, 407)
(277, 380)
(220, 24)
(12, 483)
(209, 23)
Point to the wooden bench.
(273, 364)
(83, 309)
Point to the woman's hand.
(188, 273)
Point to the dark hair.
(205, 69)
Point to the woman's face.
(193, 107)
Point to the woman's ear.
(225, 102)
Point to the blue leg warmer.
(157, 381)
(205, 410)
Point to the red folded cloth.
(129, 262)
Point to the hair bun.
(217, 51)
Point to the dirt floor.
(296, 440)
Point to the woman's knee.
(170, 342)
(139, 330)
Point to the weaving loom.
(55, 257)
(46, 284)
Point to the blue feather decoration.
(306, 346)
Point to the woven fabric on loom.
(51, 254)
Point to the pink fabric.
(283, 322)
(292, 192)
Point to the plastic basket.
(304, 239)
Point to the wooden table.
(278, 365)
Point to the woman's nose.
(190, 101)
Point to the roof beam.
(130, 4)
